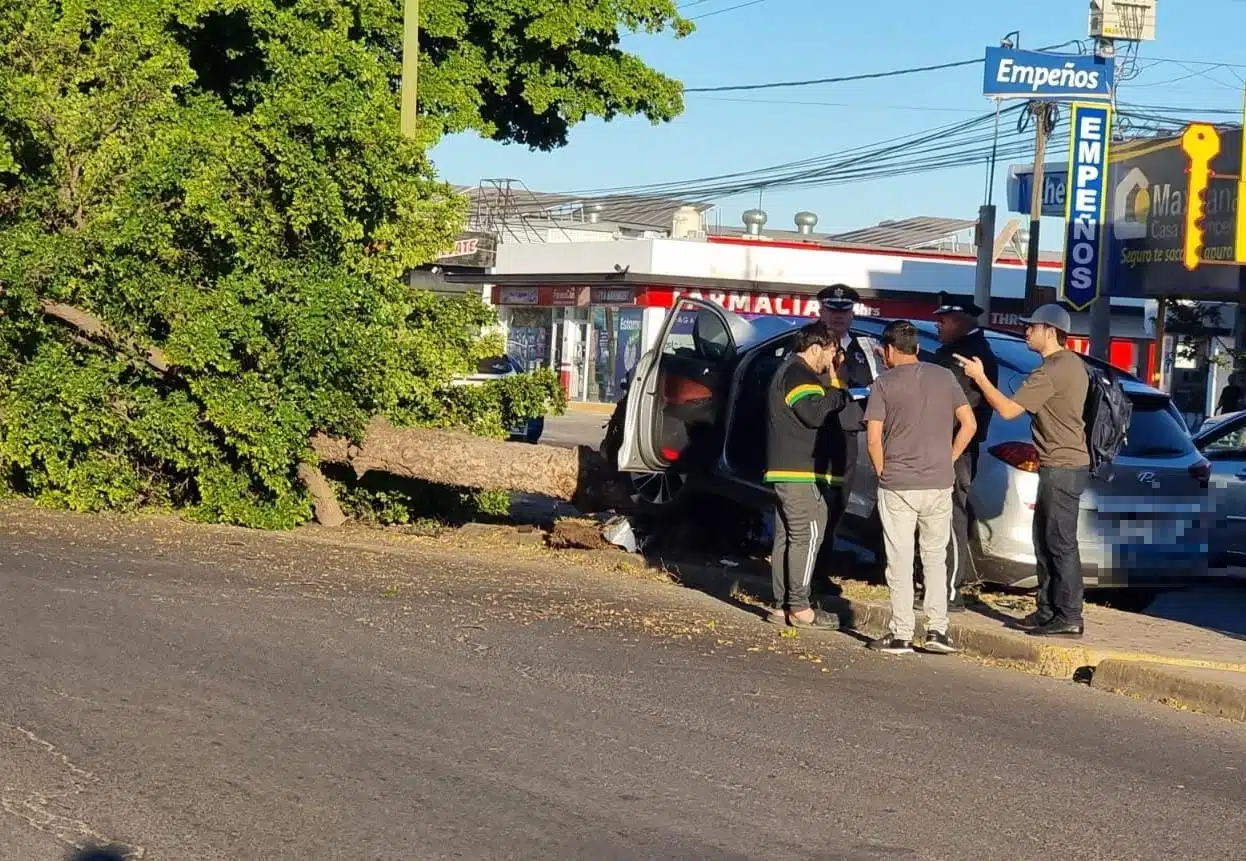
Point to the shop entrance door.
(572, 357)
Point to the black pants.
(959, 564)
(799, 530)
(1059, 566)
(851, 452)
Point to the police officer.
(836, 312)
(960, 333)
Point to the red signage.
(613, 296)
(778, 304)
(518, 296)
(566, 297)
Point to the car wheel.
(657, 491)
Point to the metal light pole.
(1041, 112)
(410, 65)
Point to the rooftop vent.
(754, 220)
(805, 223)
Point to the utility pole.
(410, 65)
(1041, 113)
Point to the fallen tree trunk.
(580, 475)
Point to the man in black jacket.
(960, 334)
(805, 465)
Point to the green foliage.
(543, 66)
(223, 182)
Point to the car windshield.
(1155, 431)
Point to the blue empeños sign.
(1086, 204)
(1015, 74)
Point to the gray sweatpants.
(799, 529)
(924, 515)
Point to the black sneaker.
(939, 644)
(956, 605)
(891, 646)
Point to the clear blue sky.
(774, 40)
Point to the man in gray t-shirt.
(909, 420)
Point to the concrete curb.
(1197, 690)
(1207, 687)
(1056, 661)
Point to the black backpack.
(1107, 414)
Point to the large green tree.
(206, 211)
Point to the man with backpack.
(1055, 395)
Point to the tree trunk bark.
(324, 501)
(580, 476)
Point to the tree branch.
(324, 500)
(93, 327)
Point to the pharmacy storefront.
(592, 336)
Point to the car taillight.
(1018, 455)
(1201, 470)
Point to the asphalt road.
(572, 429)
(200, 693)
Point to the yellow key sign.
(1201, 143)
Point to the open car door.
(678, 397)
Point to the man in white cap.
(1055, 396)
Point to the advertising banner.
(1087, 184)
(1055, 188)
(1015, 74)
(1174, 219)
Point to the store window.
(616, 343)
(528, 337)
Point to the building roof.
(921, 233)
(908, 234)
(502, 199)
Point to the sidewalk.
(1154, 659)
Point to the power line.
(960, 144)
(843, 79)
(724, 11)
(868, 76)
(857, 105)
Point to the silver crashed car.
(693, 422)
